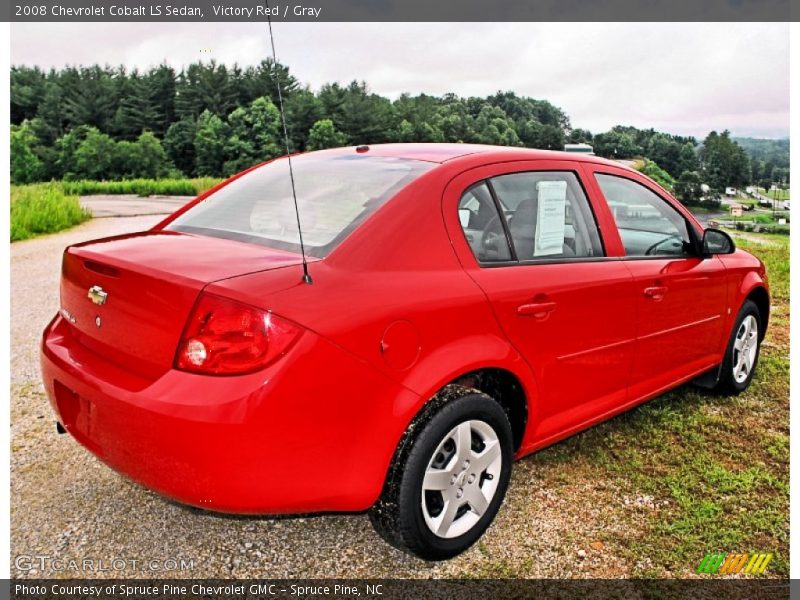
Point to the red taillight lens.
(225, 337)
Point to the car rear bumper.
(314, 432)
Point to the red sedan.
(466, 306)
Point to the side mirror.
(716, 241)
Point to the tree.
(262, 80)
(417, 119)
(580, 136)
(137, 110)
(27, 88)
(179, 145)
(95, 156)
(492, 126)
(25, 165)
(144, 158)
(160, 82)
(666, 152)
(404, 133)
(688, 188)
(687, 158)
(362, 116)
(254, 135)
(50, 115)
(657, 174)
(616, 144)
(89, 97)
(325, 135)
(204, 87)
(303, 109)
(209, 144)
(535, 135)
(724, 163)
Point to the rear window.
(334, 195)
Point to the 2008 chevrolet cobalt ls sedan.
(468, 305)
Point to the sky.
(682, 78)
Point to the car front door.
(681, 297)
(527, 234)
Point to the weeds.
(141, 187)
(43, 208)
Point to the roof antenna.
(306, 276)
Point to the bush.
(43, 208)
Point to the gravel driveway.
(66, 505)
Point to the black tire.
(399, 516)
(728, 383)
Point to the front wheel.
(741, 355)
(448, 477)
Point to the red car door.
(527, 234)
(681, 297)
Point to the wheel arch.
(509, 382)
(507, 390)
(760, 297)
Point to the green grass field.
(43, 208)
(142, 187)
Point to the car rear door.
(528, 235)
(681, 298)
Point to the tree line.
(209, 119)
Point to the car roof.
(440, 153)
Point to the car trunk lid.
(128, 297)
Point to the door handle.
(656, 292)
(538, 310)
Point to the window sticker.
(550, 219)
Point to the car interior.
(518, 196)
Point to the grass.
(142, 187)
(716, 468)
(43, 208)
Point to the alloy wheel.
(745, 348)
(461, 479)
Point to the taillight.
(225, 337)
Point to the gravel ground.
(68, 506)
(103, 205)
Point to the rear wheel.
(741, 355)
(448, 477)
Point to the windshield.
(334, 195)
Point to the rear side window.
(544, 216)
(647, 224)
(334, 195)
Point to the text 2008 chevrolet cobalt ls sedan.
(469, 305)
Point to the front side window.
(647, 224)
(334, 195)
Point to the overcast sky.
(679, 78)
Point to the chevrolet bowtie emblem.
(97, 295)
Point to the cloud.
(683, 78)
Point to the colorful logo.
(730, 564)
